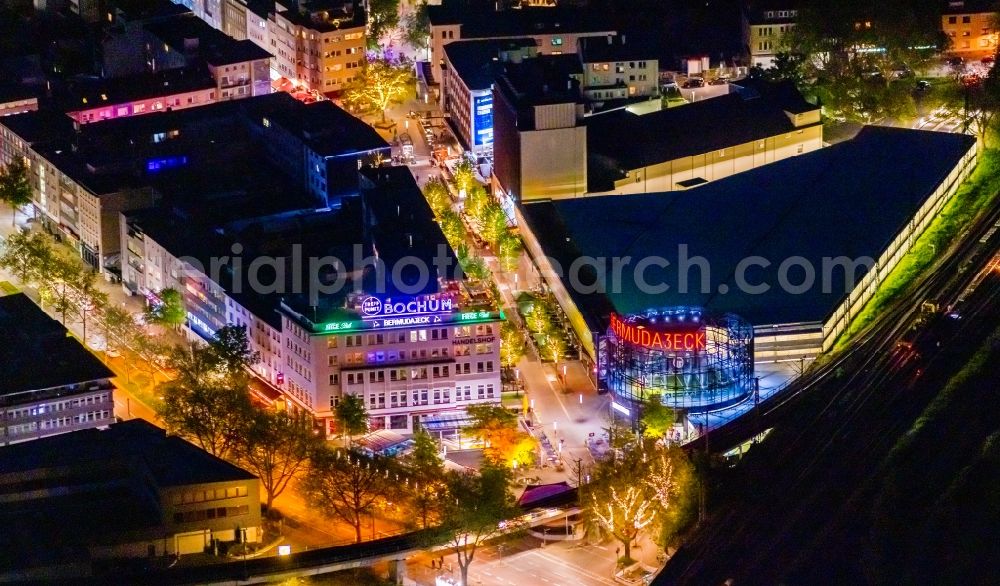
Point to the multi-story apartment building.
(83, 176)
(129, 491)
(159, 252)
(321, 45)
(614, 69)
(556, 30)
(256, 20)
(51, 384)
(768, 22)
(144, 93)
(970, 26)
(16, 100)
(234, 18)
(417, 357)
(414, 360)
(77, 195)
(467, 88)
(606, 72)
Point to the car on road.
(693, 82)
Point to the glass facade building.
(690, 360)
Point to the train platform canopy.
(851, 199)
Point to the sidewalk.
(135, 393)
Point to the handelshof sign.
(676, 338)
(375, 308)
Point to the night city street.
(516, 292)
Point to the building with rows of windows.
(421, 368)
(51, 384)
(417, 352)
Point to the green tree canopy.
(348, 486)
(27, 256)
(276, 447)
(418, 27)
(169, 310)
(14, 187)
(634, 491)
(231, 346)
(426, 471)
(383, 16)
(437, 195)
(452, 228)
(475, 507)
(464, 176)
(205, 405)
(512, 344)
(351, 415)
(492, 222)
(509, 251)
(503, 441)
(854, 48)
(381, 83)
(657, 419)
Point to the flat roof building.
(470, 68)
(83, 177)
(775, 245)
(556, 30)
(51, 384)
(128, 491)
(411, 339)
(547, 147)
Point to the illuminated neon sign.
(374, 308)
(671, 339)
(377, 323)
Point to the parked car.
(988, 60)
(923, 85)
(694, 82)
(719, 81)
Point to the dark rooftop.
(622, 141)
(627, 47)
(480, 20)
(139, 10)
(96, 486)
(86, 94)
(171, 460)
(214, 46)
(327, 15)
(850, 199)
(37, 352)
(39, 127)
(546, 79)
(394, 219)
(11, 92)
(325, 127)
(967, 6)
(479, 62)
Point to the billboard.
(482, 120)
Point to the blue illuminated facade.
(482, 121)
(691, 360)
